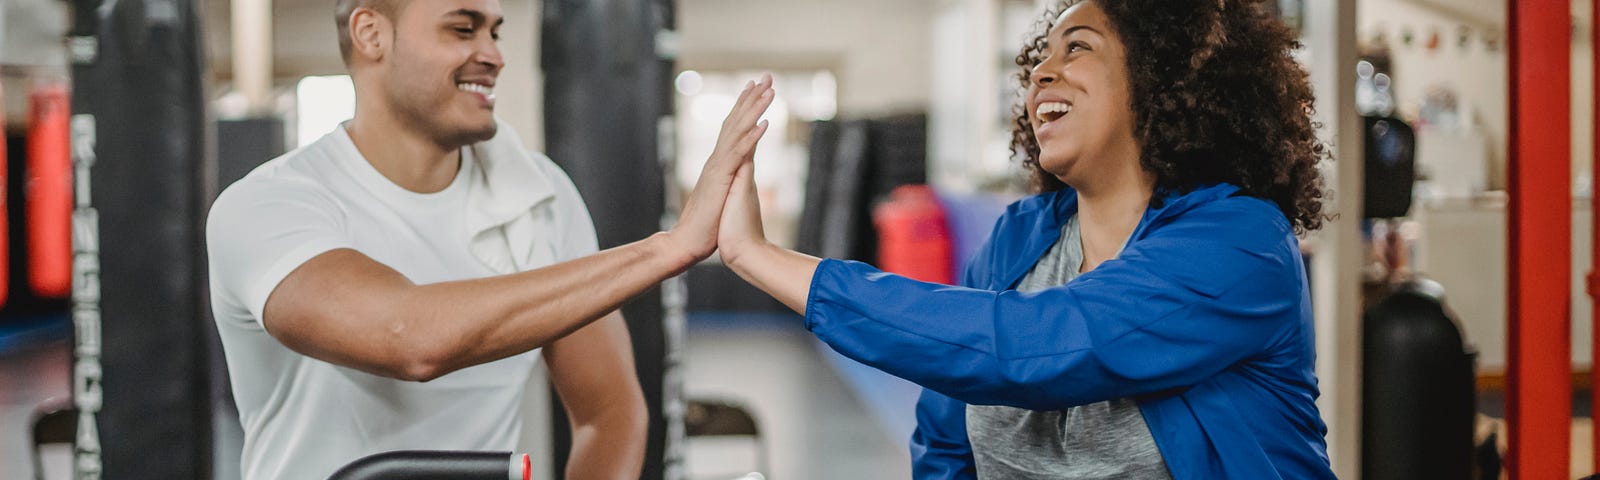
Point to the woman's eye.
(1076, 46)
(464, 30)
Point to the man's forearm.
(465, 323)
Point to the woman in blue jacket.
(1146, 315)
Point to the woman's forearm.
(785, 274)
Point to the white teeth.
(476, 88)
(1054, 107)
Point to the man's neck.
(403, 155)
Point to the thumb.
(744, 179)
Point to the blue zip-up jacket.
(1204, 319)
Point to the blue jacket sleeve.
(939, 446)
(1190, 299)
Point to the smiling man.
(392, 285)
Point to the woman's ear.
(369, 35)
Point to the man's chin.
(485, 132)
(468, 135)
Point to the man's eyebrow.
(477, 17)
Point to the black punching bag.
(1417, 400)
(608, 85)
(1390, 167)
(137, 69)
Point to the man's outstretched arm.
(348, 309)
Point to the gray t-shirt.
(1103, 440)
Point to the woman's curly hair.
(1216, 97)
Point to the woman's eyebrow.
(1065, 33)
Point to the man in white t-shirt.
(391, 286)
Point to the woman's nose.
(1042, 76)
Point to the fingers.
(752, 103)
(738, 154)
(744, 96)
(720, 165)
(747, 143)
(759, 101)
(753, 90)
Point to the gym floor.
(814, 425)
(31, 375)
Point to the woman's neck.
(1109, 212)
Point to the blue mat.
(18, 332)
(706, 321)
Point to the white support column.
(1330, 39)
(964, 75)
(519, 101)
(252, 53)
(984, 73)
(519, 93)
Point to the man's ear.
(370, 35)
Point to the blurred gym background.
(890, 146)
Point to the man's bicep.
(281, 252)
(330, 308)
(257, 234)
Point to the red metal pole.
(1594, 229)
(1539, 396)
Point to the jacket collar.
(1043, 215)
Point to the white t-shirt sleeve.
(578, 237)
(258, 232)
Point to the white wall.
(1477, 74)
(519, 92)
(1474, 277)
(877, 49)
(31, 32)
(963, 32)
(31, 48)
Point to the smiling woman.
(1146, 315)
(1239, 113)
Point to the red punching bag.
(913, 236)
(48, 192)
